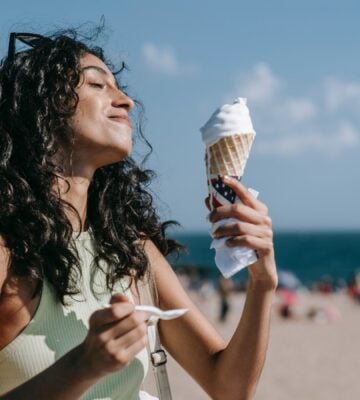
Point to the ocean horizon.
(312, 255)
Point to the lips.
(121, 119)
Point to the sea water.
(312, 256)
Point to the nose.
(122, 100)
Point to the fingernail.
(229, 242)
(208, 217)
(118, 297)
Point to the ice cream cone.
(228, 136)
(228, 156)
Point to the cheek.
(86, 122)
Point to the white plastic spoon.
(157, 313)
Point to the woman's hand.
(116, 334)
(253, 229)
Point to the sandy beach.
(310, 359)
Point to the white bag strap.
(158, 356)
(158, 360)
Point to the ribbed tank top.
(56, 329)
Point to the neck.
(76, 195)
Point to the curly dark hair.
(37, 98)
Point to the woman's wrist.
(80, 367)
(262, 285)
(262, 274)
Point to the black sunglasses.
(31, 39)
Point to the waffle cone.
(228, 156)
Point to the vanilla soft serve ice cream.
(229, 119)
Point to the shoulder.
(150, 248)
(155, 257)
(169, 290)
(4, 261)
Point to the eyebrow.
(101, 70)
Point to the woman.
(77, 226)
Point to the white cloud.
(343, 138)
(338, 93)
(347, 135)
(301, 109)
(164, 60)
(290, 125)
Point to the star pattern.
(222, 194)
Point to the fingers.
(263, 246)
(256, 237)
(116, 353)
(241, 212)
(124, 326)
(105, 316)
(118, 297)
(116, 334)
(242, 228)
(244, 195)
(207, 203)
(123, 351)
(253, 228)
(139, 333)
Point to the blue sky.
(297, 63)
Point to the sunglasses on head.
(31, 39)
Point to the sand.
(306, 359)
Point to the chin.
(112, 158)
(126, 152)
(120, 155)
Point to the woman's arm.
(239, 367)
(64, 380)
(116, 334)
(225, 371)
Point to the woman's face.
(101, 124)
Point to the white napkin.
(230, 260)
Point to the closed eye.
(98, 85)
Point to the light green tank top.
(56, 329)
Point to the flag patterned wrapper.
(221, 194)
